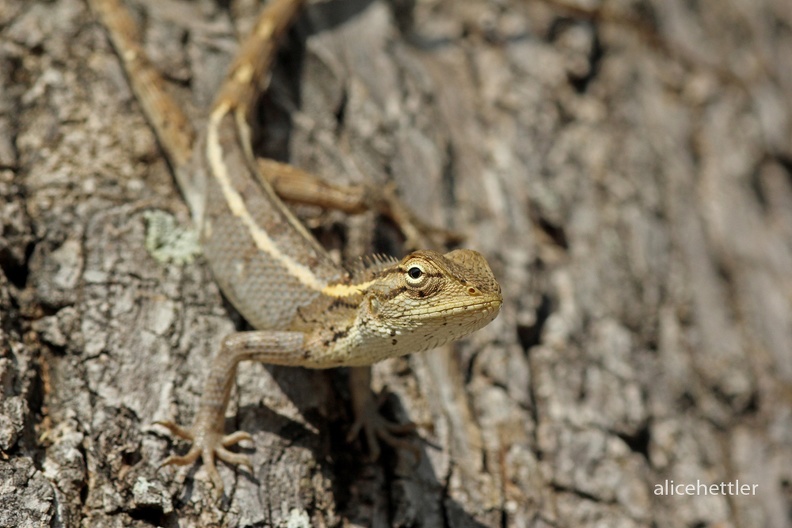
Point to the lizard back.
(265, 261)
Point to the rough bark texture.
(626, 166)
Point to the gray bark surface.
(626, 167)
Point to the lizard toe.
(387, 435)
(183, 460)
(208, 455)
(176, 429)
(235, 438)
(235, 459)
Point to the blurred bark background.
(625, 165)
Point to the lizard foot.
(418, 234)
(376, 427)
(208, 445)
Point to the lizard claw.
(207, 446)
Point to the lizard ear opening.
(374, 305)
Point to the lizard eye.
(416, 276)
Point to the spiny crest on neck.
(369, 267)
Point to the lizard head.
(428, 299)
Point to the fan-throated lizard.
(308, 310)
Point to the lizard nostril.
(472, 291)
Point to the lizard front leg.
(207, 432)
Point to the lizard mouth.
(484, 306)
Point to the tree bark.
(626, 167)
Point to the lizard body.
(307, 310)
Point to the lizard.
(306, 310)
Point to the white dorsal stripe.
(238, 208)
